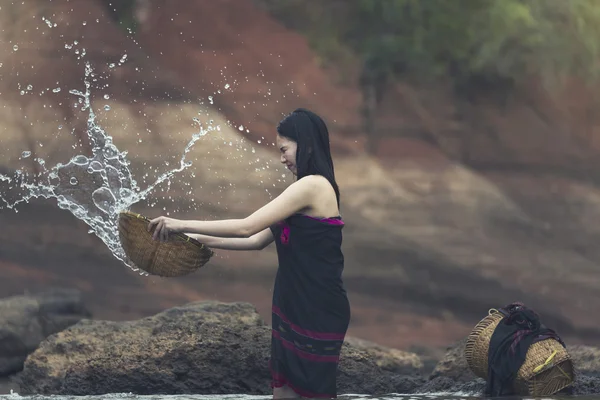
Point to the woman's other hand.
(163, 226)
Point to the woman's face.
(288, 147)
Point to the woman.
(311, 311)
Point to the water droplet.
(110, 187)
(80, 160)
(241, 128)
(259, 141)
(227, 86)
(106, 97)
(111, 65)
(84, 23)
(29, 87)
(107, 107)
(15, 47)
(103, 199)
(125, 193)
(96, 166)
(56, 90)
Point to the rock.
(368, 368)
(437, 384)
(448, 386)
(430, 356)
(585, 385)
(393, 360)
(454, 365)
(586, 359)
(27, 320)
(202, 347)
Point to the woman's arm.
(255, 242)
(298, 196)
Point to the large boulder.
(452, 374)
(202, 347)
(27, 320)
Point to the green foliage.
(494, 39)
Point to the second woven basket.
(547, 369)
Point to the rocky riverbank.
(201, 348)
(25, 321)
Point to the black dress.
(311, 311)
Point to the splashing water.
(94, 189)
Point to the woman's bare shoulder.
(315, 181)
(316, 186)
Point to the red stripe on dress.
(304, 354)
(311, 334)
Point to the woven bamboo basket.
(547, 369)
(179, 255)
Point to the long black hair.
(313, 154)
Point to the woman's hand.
(163, 226)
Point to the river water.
(391, 396)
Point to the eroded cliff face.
(269, 70)
(430, 243)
